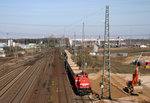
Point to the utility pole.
(83, 49)
(16, 52)
(149, 42)
(106, 79)
(75, 47)
(9, 41)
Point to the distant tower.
(106, 79)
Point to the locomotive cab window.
(79, 75)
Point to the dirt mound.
(94, 76)
(116, 85)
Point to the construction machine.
(134, 86)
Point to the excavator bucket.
(137, 89)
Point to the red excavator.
(134, 86)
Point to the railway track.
(26, 97)
(58, 79)
(7, 69)
(24, 88)
(60, 75)
(10, 76)
(14, 87)
(16, 90)
(47, 82)
(8, 84)
(62, 88)
(82, 99)
(45, 88)
(41, 93)
(7, 75)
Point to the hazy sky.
(40, 18)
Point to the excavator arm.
(135, 80)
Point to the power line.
(59, 25)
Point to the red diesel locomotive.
(82, 83)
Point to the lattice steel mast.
(106, 79)
(83, 49)
(75, 47)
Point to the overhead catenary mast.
(75, 47)
(106, 79)
(83, 49)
